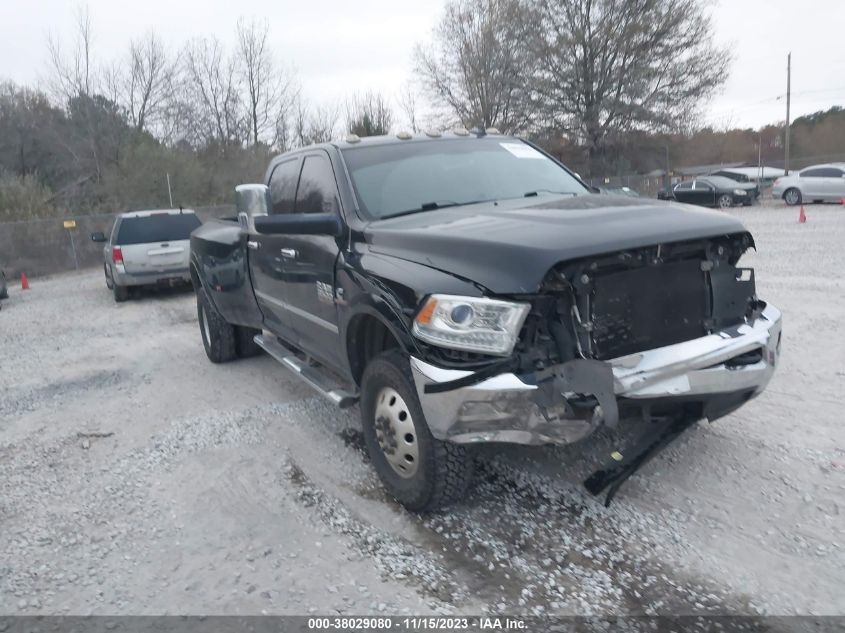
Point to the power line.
(756, 105)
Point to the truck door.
(309, 262)
(266, 263)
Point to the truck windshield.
(418, 176)
(162, 227)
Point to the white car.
(819, 183)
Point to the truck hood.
(509, 246)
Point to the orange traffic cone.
(802, 217)
(24, 282)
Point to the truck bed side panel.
(219, 255)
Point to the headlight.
(739, 192)
(473, 324)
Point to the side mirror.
(299, 224)
(98, 236)
(251, 201)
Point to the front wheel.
(725, 201)
(419, 471)
(218, 336)
(792, 197)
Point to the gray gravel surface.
(138, 478)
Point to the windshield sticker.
(521, 150)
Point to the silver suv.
(819, 183)
(147, 248)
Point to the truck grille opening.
(630, 301)
(644, 308)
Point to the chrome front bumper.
(504, 408)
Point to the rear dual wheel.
(222, 340)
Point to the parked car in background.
(619, 191)
(742, 181)
(819, 183)
(147, 248)
(732, 175)
(711, 191)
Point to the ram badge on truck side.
(469, 288)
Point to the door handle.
(253, 245)
(289, 253)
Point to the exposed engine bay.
(614, 305)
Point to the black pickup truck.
(466, 287)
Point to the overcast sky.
(340, 46)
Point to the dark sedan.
(742, 182)
(711, 191)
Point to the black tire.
(121, 293)
(443, 469)
(218, 336)
(792, 196)
(109, 281)
(245, 345)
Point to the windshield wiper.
(430, 206)
(531, 194)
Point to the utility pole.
(170, 193)
(788, 90)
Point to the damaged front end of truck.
(671, 333)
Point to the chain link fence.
(55, 245)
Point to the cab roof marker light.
(433, 133)
(492, 130)
(404, 135)
(460, 131)
(353, 138)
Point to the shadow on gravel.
(528, 538)
(28, 399)
(160, 292)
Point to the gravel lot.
(138, 478)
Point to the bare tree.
(609, 66)
(268, 89)
(407, 100)
(212, 88)
(149, 82)
(479, 65)
(71, 73)
(314, 124)
(368, 114)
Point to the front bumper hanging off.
(514, 408)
